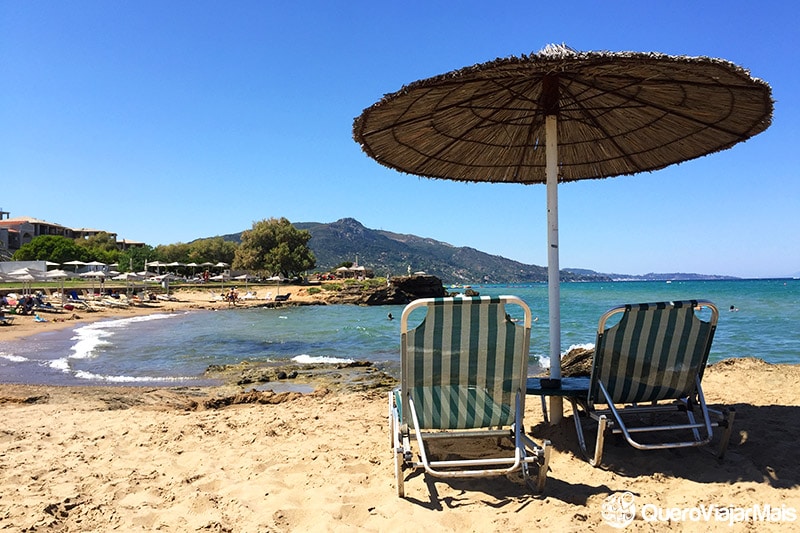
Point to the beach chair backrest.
(463, 364)
(656, 351)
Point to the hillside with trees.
(387, 254)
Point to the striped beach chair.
(646, 372)
(464, 370)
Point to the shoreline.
(181, 300)
(283, 376)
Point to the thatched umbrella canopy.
(563, 115)
(618, 113)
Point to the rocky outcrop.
(418, 286)
(404, 289)
(577, 362)
(399, 291)
(355, 375)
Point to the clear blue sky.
(170, 121)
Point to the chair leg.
(576, 417)
(541, 477)
(543, 461)
(726, 434)
(398, 473)
(398, 448)
(595, 458)
(391, 419)
(598, 447)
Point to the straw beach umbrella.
(563, 115)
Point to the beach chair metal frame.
(650, 365)
(463, 375)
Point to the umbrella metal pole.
(553, 278)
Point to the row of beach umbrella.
(28, 274)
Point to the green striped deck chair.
(646, 372)
(464, 372)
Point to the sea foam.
(90, 376)
(93, 336)
(310, 359)
(13, 358)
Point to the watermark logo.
(619, 509)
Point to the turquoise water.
(177, 348)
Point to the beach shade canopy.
(26, 275)
(563, 115)
(93, 274)
(128, 276)
(75, 264)
(57, 274)
(157, 264)
(27, 271)
(163, 277)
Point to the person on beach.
(232, 296)
(25, 307)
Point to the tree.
(169, 253)
(132, 259)
(275, 246)
(100, 241)
(213, 249)
(100, 247)
(56, 248)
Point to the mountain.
(388, 254)
(675, 276)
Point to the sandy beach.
(179, 300)
(217, 459)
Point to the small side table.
(573, 388)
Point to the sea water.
(176, 348)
